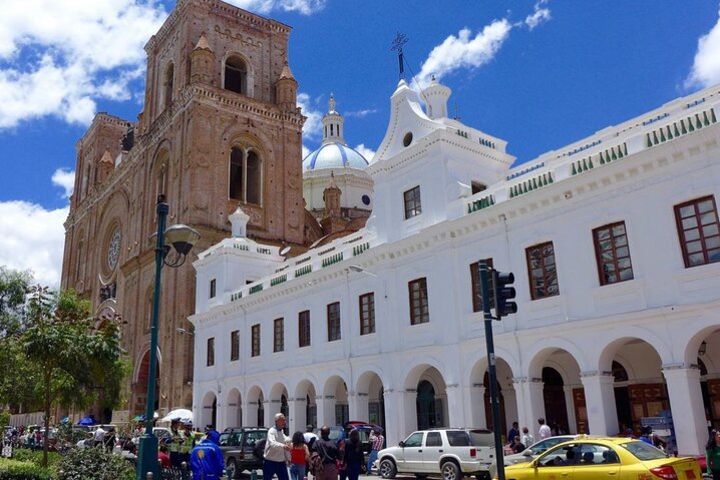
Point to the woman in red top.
(164, 457)
(299, 456)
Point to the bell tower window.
(236, 75)
(245, 175)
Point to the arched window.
(236, 75)
(245, 176)
(168, 86)
(427, 415)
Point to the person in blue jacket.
(206, 459)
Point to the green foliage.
(35, 456)
(4, 419)
(93, 463)
(17, 470)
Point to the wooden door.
(581, 420)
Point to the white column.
(220, 417)
(456, 413)
(358, 406)
(298, 414)
(600, 403)
(320, 410)
(511, 408)
(687, 408)
(570, 405)
(394, 425)
(475, 397)
(408, 413)
(251, 413)
(326, 406)
(530, 401)
(268, 420)
(292, 421)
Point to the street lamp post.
(182, 238)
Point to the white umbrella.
(183, 414)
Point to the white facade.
(591, 357)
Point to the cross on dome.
(333, 124)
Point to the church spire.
(333, 124)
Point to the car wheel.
(387, 468)
(450, 471)
(231, 469)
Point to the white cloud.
(58, 57)
(305, 151)
(306, 7)
(464, 50)
(361, 113)
(467, 51)
(366, 152)
(32, 238)
(706, 66)
(64, 179)
(540, 15)
(313, 125)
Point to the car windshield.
(223, 439)
(643, 451)
(543, 445)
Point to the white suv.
(452, 452)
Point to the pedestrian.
(98, 437)
(514, 432)
(544, 431)
(517, 446)
(276, 445)
(645, 435)
(376, 444)
(353, 456)
(299, 456)
(164, 457)
(206, 459)
(712, 454)
(329, 454)
(177, 436)
(109, 440)
(527, 438)
(188, 443)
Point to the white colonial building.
(615, 247)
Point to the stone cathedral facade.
(219, 130)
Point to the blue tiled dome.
(334, 155)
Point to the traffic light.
(504, 293)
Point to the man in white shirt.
(98, 436)
(276, 445)
(544, 431)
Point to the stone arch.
(370, 398)
(140, 381)
(480, 412)
(610, 350)
(411, 375)
(703, 350)
(279, 398)
(208, 410)
(113, 215)
(238, 74)
(692, 344)
(305, 405)
(543, 349)
(335, 405)
(644, 393)
(430, 402)
(233, 405)
(255, 407)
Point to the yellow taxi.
(595, 458)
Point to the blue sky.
(539, 74)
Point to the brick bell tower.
(220, 129)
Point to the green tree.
(70, 357)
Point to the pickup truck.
(450, 452)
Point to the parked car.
(612, 457)
(238, 447)
(451, 452)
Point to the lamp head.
(182, 238)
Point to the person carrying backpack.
(327, 453)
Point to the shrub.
(15, 470)
(35, 456)
(93, 463)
